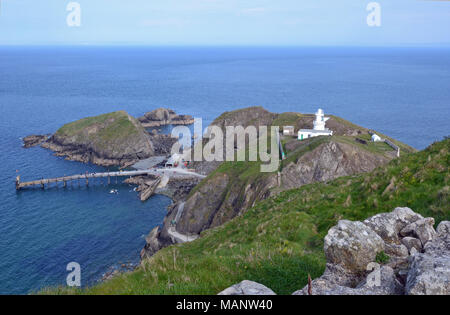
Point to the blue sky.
(226, 22)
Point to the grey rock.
(388, 225)
(353, 245)
(334, 281)
(429, 275)
(164, 116)
(394, 250)
(443, 229)
(381, 281)
(430, 271)
(153, 243)
(247, 287)
(412, 242)
(422, 229)
(34, 140)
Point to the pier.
(171, 172)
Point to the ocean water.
(402, 92)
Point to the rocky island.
(107, 140)
(164, 116)
(113, 139)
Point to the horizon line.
(412, 45)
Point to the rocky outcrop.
(247, 287)
(164, 116)
(429, 271)
(352, 245)
(338, 281)
(106, 140)
(218, 200)
(152, 243)
(389, 225)
(162, 144)
(421, 229)
(328, 161)
(34, 140)
(419, 265)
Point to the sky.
(226, 22)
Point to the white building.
(376, 138)
(288, 131)
(319, 127)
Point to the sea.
(403, 92)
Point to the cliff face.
(218, 200)
(329, 160)
(110, 139)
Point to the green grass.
(382, 258)
(287, 119)
(280, 240)
(111, 126)
(309, 145)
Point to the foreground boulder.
(430, 271)
(247, 287)
(418, 260)
(389, 225)
(352, 245)
(336, 281)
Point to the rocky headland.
(107, 140)
(232, 188)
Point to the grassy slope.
(280, 240)
(114, 125)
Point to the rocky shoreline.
(34, 140)
(78, 153)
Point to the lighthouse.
(319, 128)
(319, 123)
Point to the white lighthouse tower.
(319, 123)
(319, 127)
